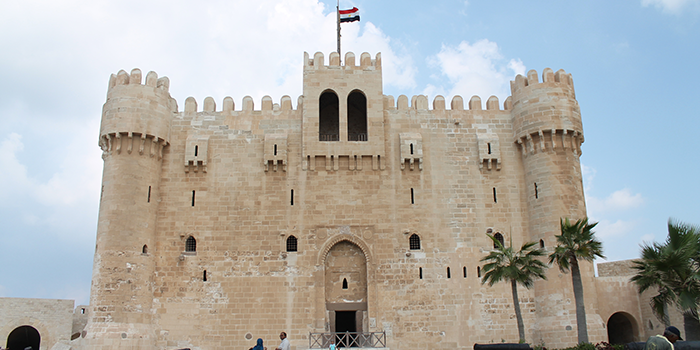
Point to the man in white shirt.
(284, 345)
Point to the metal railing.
(357, 137)
(328, 137)
(348, 340)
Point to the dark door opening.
(345, 322)
(24, 337)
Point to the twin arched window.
(329, 116)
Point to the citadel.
(353, 212)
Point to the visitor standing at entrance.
(284, 345)
(665, 341)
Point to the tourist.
(332, 347)
(284, 345)
(259, 346)
(665, 341)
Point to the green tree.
(576, 242)
(673, 268)
(517, 267)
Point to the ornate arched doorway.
(622, 328)
(346, 287)
(24, 337)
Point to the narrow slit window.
(449, 275)
(275, 149)
(489, 145)
(464, 271)
(291, 201)
(411, 148)
(536, 192)
(478, 271)
(149, 194)
(541, 243)
(204, 276)
(413, 201)
(193, 198)
(292, 244)
(495, 198)
(345, 283)
(420, 272)
(196, 150)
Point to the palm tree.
(521, 267)
(674, 269)
(576, 242)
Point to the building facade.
(353, 211)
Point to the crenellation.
(457, 103)
(209, 105)
(475, 103)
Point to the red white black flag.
(351, 15)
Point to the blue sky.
(634, 63)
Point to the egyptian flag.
(349, 15)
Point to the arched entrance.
(23, 337)
(622, 328)
(346, 287)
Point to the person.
(665, 341)
(332, 347)
(284, 345)
(259, 346)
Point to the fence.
(348, 340)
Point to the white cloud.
(617, 201)
(13, 177)
(476, 69)
(674, 7)
(619, 228)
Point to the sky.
(634, 65)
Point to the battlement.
(152, 80)
(366, 61)
(549, 78)
(420, 102)
(247, 104)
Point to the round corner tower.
(548, 130)
(135, 129)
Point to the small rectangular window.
(495, 199)
(292, 198)
(536, 192)
(449, 275)
(420, 272)
(193, 198)
(412, 197)
(149, 194)
(196, 150)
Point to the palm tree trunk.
(667, 319)
(580, 306)
(518, 313)
(691, 326)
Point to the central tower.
(343, 112)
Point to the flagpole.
(337, 11)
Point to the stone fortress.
(353, 212)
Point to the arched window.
(292, 244)
(414, 242)
(328, 117)
(345, 283)
(144, 249)
(542, 243)
(499, 237)
(357, 116)
(191, 244)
